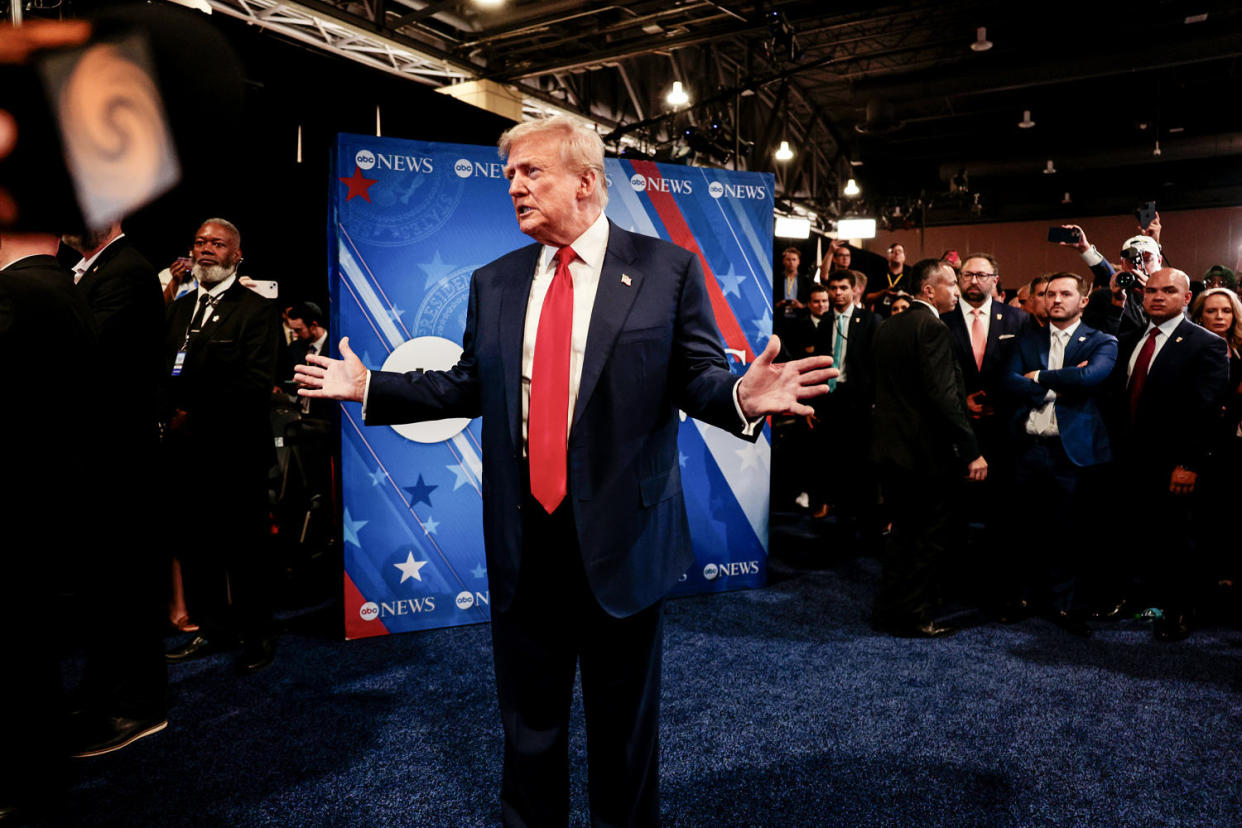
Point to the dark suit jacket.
(226, 383)
(1079, 420)
(805, 283)
(1180, 403)
(652, 348)
(123, 292)
(920, 420)
(47, 424)
(1004, 327)
(808, 339)
(1130, 317)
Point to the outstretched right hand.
(325, 378)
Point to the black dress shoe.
(196, 647)
(1170, 628)
(1014, 611)
(108, 734)
(256, 655)
(928, 629)
(1071, 622)
(1118, 609)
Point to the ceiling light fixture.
(1066, 199)
(783, 152)
(1157, 152)
(489, 4)
(852, 188)
(981, 44)
(677, 96)
(1049, 169)
(1026, 122)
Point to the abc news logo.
(713, 571)
(641, 182)
(465, 168)
(371, 611)
(365, 159)
(719, 189)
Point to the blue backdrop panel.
(410, 221)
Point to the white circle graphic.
(715, 189)
(711, 571)
(463, 168)
(369, 611)
(465, 599)
(638, 181)
(365, 159)
(427, 353)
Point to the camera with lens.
(1125, 279)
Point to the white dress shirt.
(215, 293)
(968, 314)
(1042, 421)
(590, 247)
(83, 265)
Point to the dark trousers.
(554, 625)
(1046, 560)
(845, 475)
(918, 546)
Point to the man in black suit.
(923, 444)
(984, 333)
(220, 355)
(44, 439)
(843, 417)
(1168, 386)
(583, 517)
(122, 696)
(791, 290)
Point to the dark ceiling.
(892, 95)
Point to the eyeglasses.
(971, 275)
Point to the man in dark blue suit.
(578, 352)
(1055, 375)
(984, 333)
(1167, 389)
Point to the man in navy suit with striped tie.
(1055, 375)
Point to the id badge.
(178, 363)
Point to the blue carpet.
(781, 708)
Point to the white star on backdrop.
(410, 568)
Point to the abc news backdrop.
(410, 222)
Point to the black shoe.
(104, 735)
(256, 655)
(1014, 611)
(928, 629)
(1172, 627)
(1071, 622)
(1116, 610)
(196, 647)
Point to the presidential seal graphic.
(414, 195)
(427, 353)
(442, 311)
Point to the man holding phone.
(1149, 259)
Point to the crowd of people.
(177, 382)
(1062, 448)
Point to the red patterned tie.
(1139, 376)
(548, 419)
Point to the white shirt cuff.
(1092, 256)
(748, 427)
(366, 394)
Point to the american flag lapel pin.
(626, 280)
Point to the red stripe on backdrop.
(355, 626)
(675, 223)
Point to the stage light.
(783, 152)
(793, 227)
(489, 4)
(677, 96)
(852, 188)
(856, 228)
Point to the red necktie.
(548, 417)
(1139, 375)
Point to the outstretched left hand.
(776, 388)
